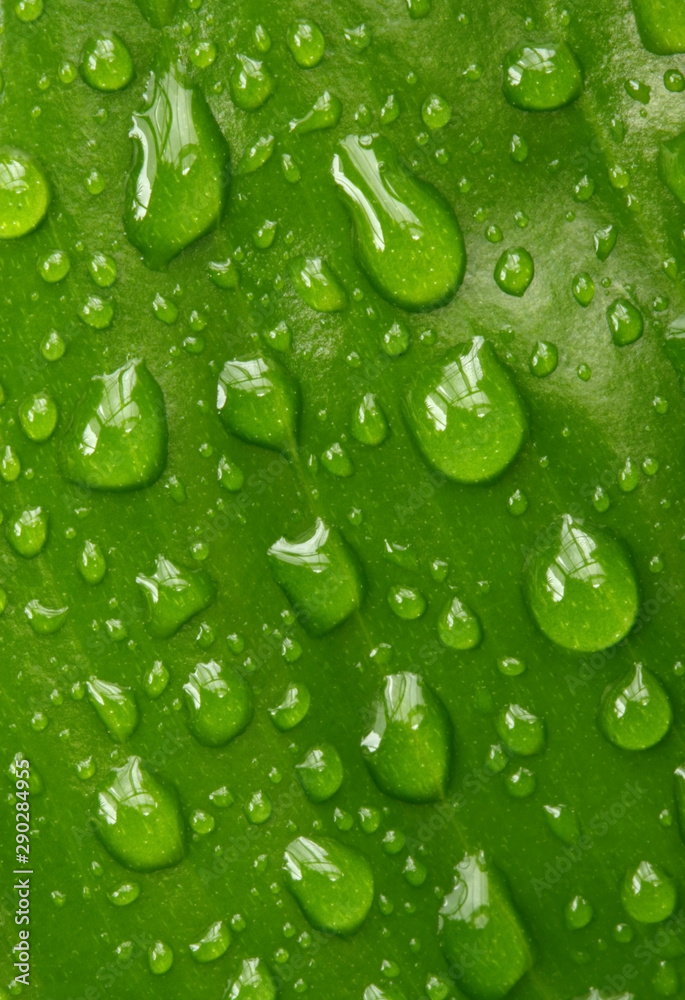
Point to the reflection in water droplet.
(625, 322)
(324, 114)
(514, 271)
(320, 772)
(407, 238)
(408, 748)
(106, 63)
(635, 712)
(116, 708)
(316, 284)
(581, 587)
(563, 822)
(648, 894)
(38, 416)
(369, 424)
(219, 703)
(459, 627)
(332, 883)
(521, 731)
(306, 43)
(251, 83)
(254, 982)
(24, 194)
(28, 533)
(541, 77)
(259, 401)
(213, 943)
(293, 708)
(173, 596)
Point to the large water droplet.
(320, 577)
(259, 401)
(160, 958)
(139, 820)
(254, 982)
(177, 188)
(408, 747)
(116, 707)
(648, 894)
(521, 731)
(24, 194)
(541, 77)
(408, 240)
(106, 63)
(306, 42)
(635, 712)
(251, 83)
(625, 322)
(514, 271)
(117, 439)
(459, 627)
(219, 703)
(661, 25)
(321, 772)
(481, 932)
(332, 883)
(316, 284)
(581, 587)
(28, 533)
(174, 595)
(466, 414)
(38, 416)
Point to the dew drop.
(541, 77)
(38, 416)
(583, 288)
(45, 620)
(648, 894)
(218, 702)
(292, 709)
(332, 883)
(563, 822)
(54, 266)
(102, 269)
(337, 461)
(324, 114)
(160, 958)
(514, 271)
(174, 595)
(544, 359)
(635, 712)
(407, 603)
(213, 943)
(251, 83)
(605, 241)
(435, 112)
(369, 425)
(259, 402)
(306, 43)
(521, 731)
(320, 772)
(660, 25)
(625, 322)
(578, 913)
(459, 627)
(24, 194)
(254, 982)
(106, 63)
(316, 284)
(115, 706)
(28, 533)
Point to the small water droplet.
(38, 416)
(251, 83)
(625, 322)
(514, 271)
(541, 77)
(459, 627)
(160, 958)
(648, 894)
(635, 711)
(259, 402)
(116, 708)
(213, 943)
(320, 772)
(306, 43)
(174, 595)
(106, 63)
(332, 883)
(218, 702)
(28, 532)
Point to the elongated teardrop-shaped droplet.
(407, 238)
(661, 25)
(408, 748)
(213, 943)
(251, 83)
(648, 894)
(174, 595)
(259, 401)
(635, 712)
(321, 772)
(159, 13)
(116, 707)
(91, 563)
(481, 932)
(324, 114)
(332, 883)
(581, 587)
(520, 730)
(24, 194)
(459, 627)
(177, 188)
(369, 424)
(293, 708)
(316, 284)
(466, 414)
(320, 576)
(28, 533)
(219, 703)
(117, 439)
(254, 982)
(563, 822)
(625, 322)
(541, 77)
(38, 416)
(139, 820)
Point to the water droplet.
(251, 83)
(466, 414)
(117, 439)
(44, 620)
(306, 43)
(91, 563)
(257, 155)
(332, 883)
(481, 933)
(578, 913)
(106, 63)
(97, 313)
(666, 980)
(563, 822)
(674, 81)
(28, 10)
(102, 269)
(139, 820)
(321, 772)
(583, 288)
(325, 113)
(541, 77)
(160, 958)
(661, 26)
(38, 416)
(514, 271)
(511, 666)
(174, 595)
(219, 703)
(521, 731)
(28, 533)
(635, 711)
(625, 322)
(629, 476)
(520, 784)
(648, 894)
(605, 241)
(337, 461)
(253, 983)
(639, 91)
(408, 747)
(124, 894)
(52, 346)
(259, 402)
(223, 274)
(159, 13)
(316, 284)
(10, 466)
(292, 709)
(459, 627)
(544, 359)
(177, 187)
(213, 943)
(581, 587)
(24, 194)
(407, 603)
(518, 149)
(54, 266)
(435, 112)
(230, 475)
(584, 189)
(116, 708)
(320, 577)
(408, 240)
(369, 425)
